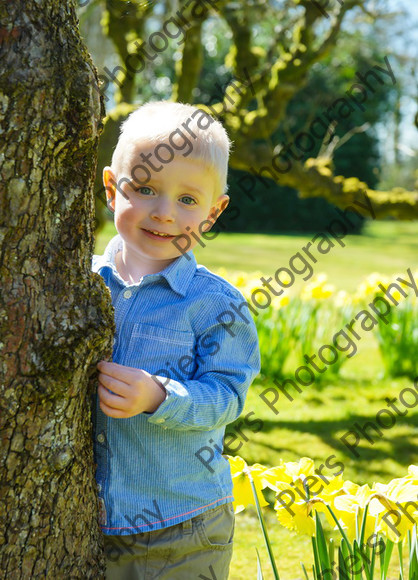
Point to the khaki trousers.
(199, 548)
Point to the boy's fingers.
(115, 402)
(121, 372)
(115, 385)
(110, 412)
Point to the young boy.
(185, 352)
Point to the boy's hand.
(136, 391)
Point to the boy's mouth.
(159, 235)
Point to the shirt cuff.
(164, 414)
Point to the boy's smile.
(150, 214)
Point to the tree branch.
(123, 22)
(189, 66)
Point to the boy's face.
(176, 200)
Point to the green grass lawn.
(314, 422)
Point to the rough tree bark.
(56, 319)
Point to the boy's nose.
(163, 210)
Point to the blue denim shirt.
(193, 331)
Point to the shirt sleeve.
(228, 359)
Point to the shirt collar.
(178, 274)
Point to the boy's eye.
(187, 197)
(145, 190)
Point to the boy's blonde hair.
(186, 129)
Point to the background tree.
(400, 159)
(56, 320)
(355, 145)
(276, 43)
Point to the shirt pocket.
(162, 351)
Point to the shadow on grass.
(263, 381)
(341, 438)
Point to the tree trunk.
(56, 319)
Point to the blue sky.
(407, 42)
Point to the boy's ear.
(223, 203)
(109, 181)
(216, 210)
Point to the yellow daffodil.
(350, 487)
(296, 518)
(239, 279)
(413, 473)
(369, 287)
(342, 298)
(280, 301)
(294, 507)
(289, 472)
(349, 509)
(300, 492)
(251, 286)
(285, 278)
(222, 272)
(328, 491)
(317, 288)
(300, 475)
(395, 505)
(243, 491)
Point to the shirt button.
(127, 294)
(100, 438)
(161, 420)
